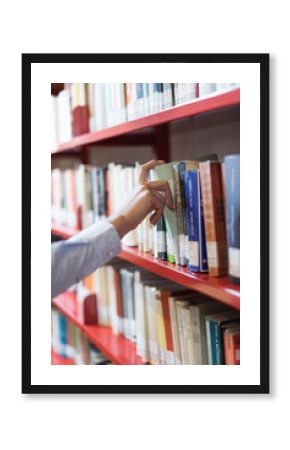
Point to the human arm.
(76, 258)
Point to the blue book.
(232, 184)
(62, 323)
(197, 256)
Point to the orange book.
(214, 217)
(232, 346)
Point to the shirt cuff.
(103, 230)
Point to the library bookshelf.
(124, 133)
(150, 130)
(118, 349)
(217, 288)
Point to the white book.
(167, 95)
(64, 116)
(92, 112)
(113, 315)
(206, 89)
(180, 324)
(142, 338)
(150, 296)
(100, 106)
(161, 336)
(101, 290)
(54, 122)
(188, 336)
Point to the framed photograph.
(145, 219)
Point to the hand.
(147, 197)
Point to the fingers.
(144, 169)
(162, 186)
(158, 205)
(156, 216)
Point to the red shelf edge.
(100, 336)
(217, 288)
(57, 360)
(198, 106)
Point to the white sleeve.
(76, 258)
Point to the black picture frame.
(27, 61)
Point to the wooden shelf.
(217, 288)
(199, 106)
(118, 349)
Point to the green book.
(164, 172)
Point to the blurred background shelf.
(123, 134)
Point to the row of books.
(169, 323)
(87, 107)
(202, 232)
(68, 341)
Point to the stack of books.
(68, 341)
(168, 323)
(201, 233)
(88, 107)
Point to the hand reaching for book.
(147, 197)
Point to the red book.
(232, 346)
(80, 120)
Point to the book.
(169, 357)
(197, 254)
(198, 311)
(232, 182)
(231, 337)
(127, 277)
(214, 324)
(214, 220)
(68, 341)
(183, 352)
(178, 172)
(164, 172)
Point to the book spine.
(232, 178)
(236, 349)
(228, 349)
(161, 342)
(119, 304)
(196, 335)
(214, 220)
(188, 337)
(208, 342)
(196, 232)
(176, 169)
(175, 336)
(168, 328)
(217, 343)
(62, 335)
(167, 95)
